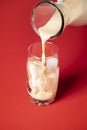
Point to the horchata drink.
(42, 64)
(42, 78)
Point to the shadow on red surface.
(66, 84)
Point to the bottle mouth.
(42, 14)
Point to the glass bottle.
(69, 12)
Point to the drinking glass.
(42, 79)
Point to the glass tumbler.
(42, 79)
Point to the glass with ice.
(42, 77)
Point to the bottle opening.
(47, 14)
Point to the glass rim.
(59, 10)
(39, 42)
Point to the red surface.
(69, 111)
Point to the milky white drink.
(43, 73)
(43, 79)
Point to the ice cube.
(51, 63)
(36, 68)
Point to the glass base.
(37, 101)
(41, 102)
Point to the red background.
(69, 111)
